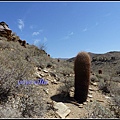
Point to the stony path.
(76, 110)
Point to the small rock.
(100, 100)
(71, 94)
(45, 71)
(46, 91)
(107, 97)
(80, 106)
(91, 92)
(53, 74)
(39, 69)
(54, 81)
(95, 84)
(49, 102)
(36, 68)
(13, 106)
(85, 103)
(57, 78)
(11, 49)
(90, 96)
(42, 74)
(61, 109)
(71, 75)
(90, 89)
(100, 116)
(37, 75)
(112, 95)
(91, 100)
(87, 100)
(72, 89)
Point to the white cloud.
(37, 32)
(20, 24)
(37, 41)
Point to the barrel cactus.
(82, 66)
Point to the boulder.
(5, 31)
(61, 109)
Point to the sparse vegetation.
(31, 101)
(111, 88)
(14, 66)
(99, 111)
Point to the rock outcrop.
(6, 32)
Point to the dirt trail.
(76, 110)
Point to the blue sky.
(65, 28)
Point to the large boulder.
(5, 31)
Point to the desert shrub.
(93, 78)
(64, 69)
(10, 77)
(4, 93)
(49, 65)
(65, 87)
(31, 102)
(114, 88)
(103, 76)
(34, 105)
(104, 82)
(116, 109)
(7, 111)
(111, 87)
(42, 46)
(115, 93)
(3, 38)
(104, 86)
(14, 67)
(4, 45)
(99, 111)
(15, 36)
(33, 50)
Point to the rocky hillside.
(34, 85)
(108, 62)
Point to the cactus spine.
(82, 70)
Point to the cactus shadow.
(61, 98)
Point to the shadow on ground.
(60, 98)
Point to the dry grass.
(99, 111)
(17, 63)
